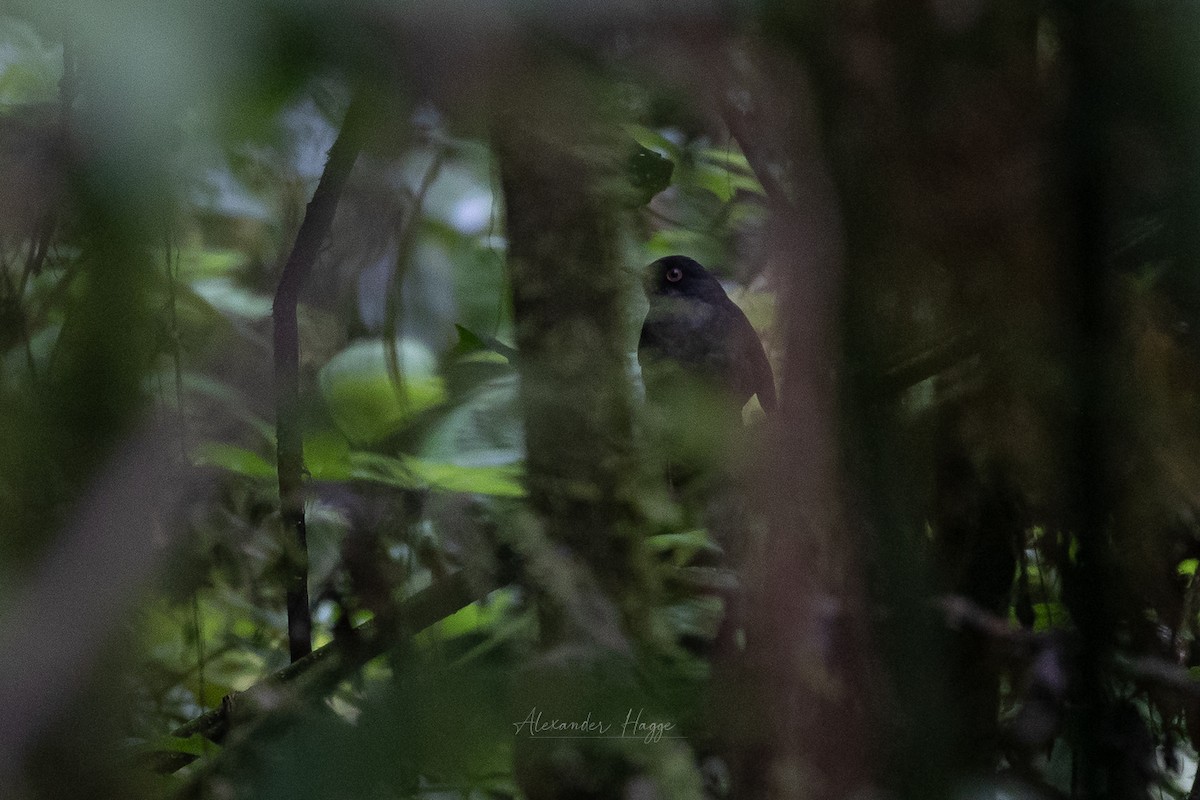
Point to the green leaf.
(197, 263)
(14, 367)
(415, 473)
(31, 68)
(1049, 615)
(759, 308)
(327, 456)
(1188, 566)
(724, 183)
(483, 430)
(697, 616)
(468, 341)
(683, 546)
(727, 159)
(195, 745)
(362, 398)
(653, 140)
(229, 298)
(230, 399)
(233, 458)
(476, 616)
(649, 173)
(471, 344)
(212, 695)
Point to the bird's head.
(680, 276)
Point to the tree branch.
(289, 434)
(556, 171)
(338, 658)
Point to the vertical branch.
(557, 170)
(289, 433)
(811, 561)
(559, 167)
(1089, 584)
(406, 238)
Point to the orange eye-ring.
(674, 274)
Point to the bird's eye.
(674, 274)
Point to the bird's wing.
(757, 377)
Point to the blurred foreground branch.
(57, 623)
(814, 740)
(960, 613)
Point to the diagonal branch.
(331, 663)
(289, 434)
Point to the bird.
(694, 335)
(701, 362)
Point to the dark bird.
(694, 332)
(701, 362)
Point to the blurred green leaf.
(211, 693)
(655, 141)
(415, 473)
(15, 364)
(724, 183)
(195, 745)
(362, 398)
(229, 298)
(196, 263)
(30, 69)
(727, 158)
(484, 429)
(1049, 615)
(327, 456)
(233, 458)
(229, 399)
(468, 341)
(683, 546)
(471, 619)
(473, 344)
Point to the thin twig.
(172, 268)
(318, 218)
(404, 245)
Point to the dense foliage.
(327, 467)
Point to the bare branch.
(289, 433)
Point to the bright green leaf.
(209, 263)
(476, 616)
(195, 745)
(653, 140)
(414, 473)
(327, 456)
(233, 458)
(362, 398)
(724, 183)
(727, 159)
